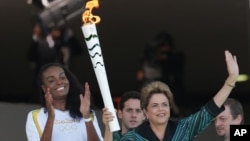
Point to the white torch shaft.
(94, 49)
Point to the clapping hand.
(85, 102)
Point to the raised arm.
(233, 73)
(85, 110)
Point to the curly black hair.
(76, 88)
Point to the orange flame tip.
(87, 16)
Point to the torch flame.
(87, 16)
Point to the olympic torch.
(94, 49)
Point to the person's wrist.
(231, 83)
(232, 78)
(87, 119)
(86, 114)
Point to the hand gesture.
(232, 67)
(49, 102)
(85, 102)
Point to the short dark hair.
(235, 107)
(129, 95)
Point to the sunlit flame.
(87, 16)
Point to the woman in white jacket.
(66, 113)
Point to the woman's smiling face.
(158, 109)
(55, 79)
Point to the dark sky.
(201, 29)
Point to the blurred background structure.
(202, 30)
